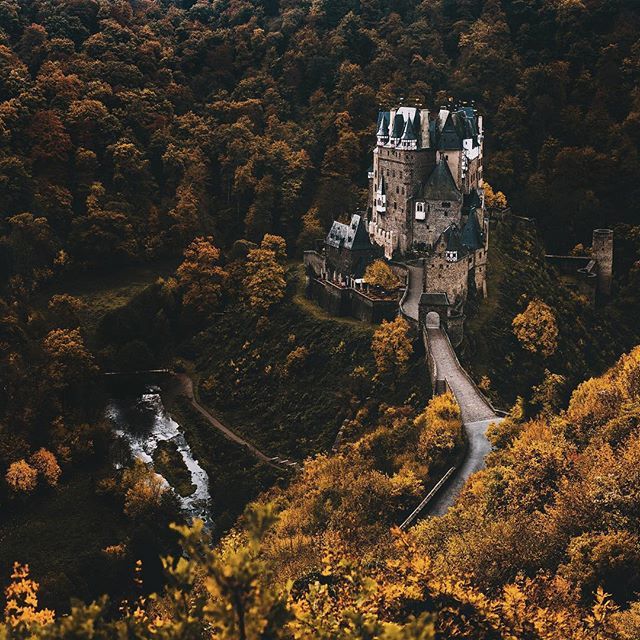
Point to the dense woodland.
(209, 143)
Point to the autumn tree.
(493, 199)
(440, 426)
(392, 347)
(144, 490)
(311, 231)
(22, 611)
(264, 282)
(379, 274)
(536, 328)
(47, 466)
(21, 477)
(69, 360)
(201, 277)
(276, 244)
(65, 310)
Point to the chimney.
(424, 128)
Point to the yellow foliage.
(391, 346)
(47, 465)
(493, 199)
(379, 274)
(536, 328)
(276, 244)
(21, 477)
(296, 360)
(21, 601)
(440, 427)
(200, 276)
(264, 282)
(144, 490)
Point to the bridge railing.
(429, 497)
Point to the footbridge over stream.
(447, 374)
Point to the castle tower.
(427, 175)
(402, 160)
(602, 250)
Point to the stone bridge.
(477, 415)
(447, 373)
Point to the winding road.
(477, 413)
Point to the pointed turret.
(471, 236)
(397, 129)
(441, 185)
(383, 127)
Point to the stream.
(142, 422)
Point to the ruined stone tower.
(602, 253)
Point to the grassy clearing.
(311, 309)
(104, 292)
(293, 408)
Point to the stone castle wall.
(438, 217)
(403, 172)
(451, 278)
(347, 301)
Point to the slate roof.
(456, 126)
(453, 241)
(383, 123)
(398, 126)
(449, 136)
(471, 236)
(471, 201)
(409, 132)
(352, 236)
(440, 185)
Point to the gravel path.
(187, 389)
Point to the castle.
(426, 215)
(426, 209)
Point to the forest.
(163, 165)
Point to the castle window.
(420, 215)
(402, 190)
(445, 205)
(397, 189)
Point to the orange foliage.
(47, 465)
(21, 477)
